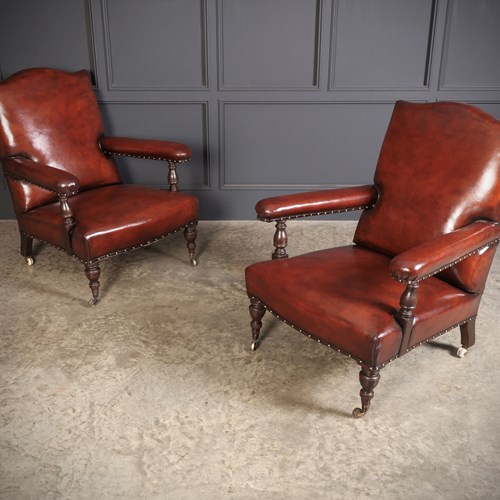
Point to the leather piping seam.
(312, 214)
(19, 178)
(111, 254)
(447, 266)
(338, 349)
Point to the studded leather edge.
(111, 254)
(450, 264)
(307, 334)
(19, 178)
(338, 349)
(313, 214)
(144, 157)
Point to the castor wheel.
(461, 352)
(30, 261)
(93, 302)
(254, 345)
(194, 262)
(358, 413)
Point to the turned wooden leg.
(257, 311)
(405, 317)
(369, 378)
(173, 179)
(93, 271)
(280, 241)
(467, 337)
(190, 234)
(27, 249)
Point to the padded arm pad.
(39, 174)
(316, 203)
(445, 251)
(143, 148)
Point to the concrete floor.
(155, 394)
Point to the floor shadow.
(452, 350)
(293, 402)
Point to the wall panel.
(301, 145)
(381, 44)
(273, 96)
(160, 44)
(471, 59)
(56, 33)
(269, 44)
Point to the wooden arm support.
(171, 152)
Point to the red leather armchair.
(64, 182)
(422, 248)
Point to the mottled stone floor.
(155, 394)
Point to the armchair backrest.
(438, 170)
(52, 117)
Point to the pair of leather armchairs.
(422, 249)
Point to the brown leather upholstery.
(347, 298)
(106, 224)
(52, 117)
(65, 185)
(423, 246)
(447, 171)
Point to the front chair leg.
(190, 233)
(27, 249)
(93, 271)
(467, 337)
(369, 378)
(257, 311)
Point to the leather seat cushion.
(347, 298)
(112, 218)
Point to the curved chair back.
(438, 170)
(52, 117)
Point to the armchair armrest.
(52, 179)
(316, 203)
(443, 252)
(144, 148)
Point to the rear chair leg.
(93, 271)
(467, 337)
(27, 249)
(257, 311)
(369, 378)
(190, 234)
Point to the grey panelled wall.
(273, 96)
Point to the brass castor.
(461, 352)
(194, 262)
(254, 345)
(358, 413)
(93, 302)
(30, 261)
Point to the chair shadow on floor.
(292, 399)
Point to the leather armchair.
(65, 185)
(421, 252)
